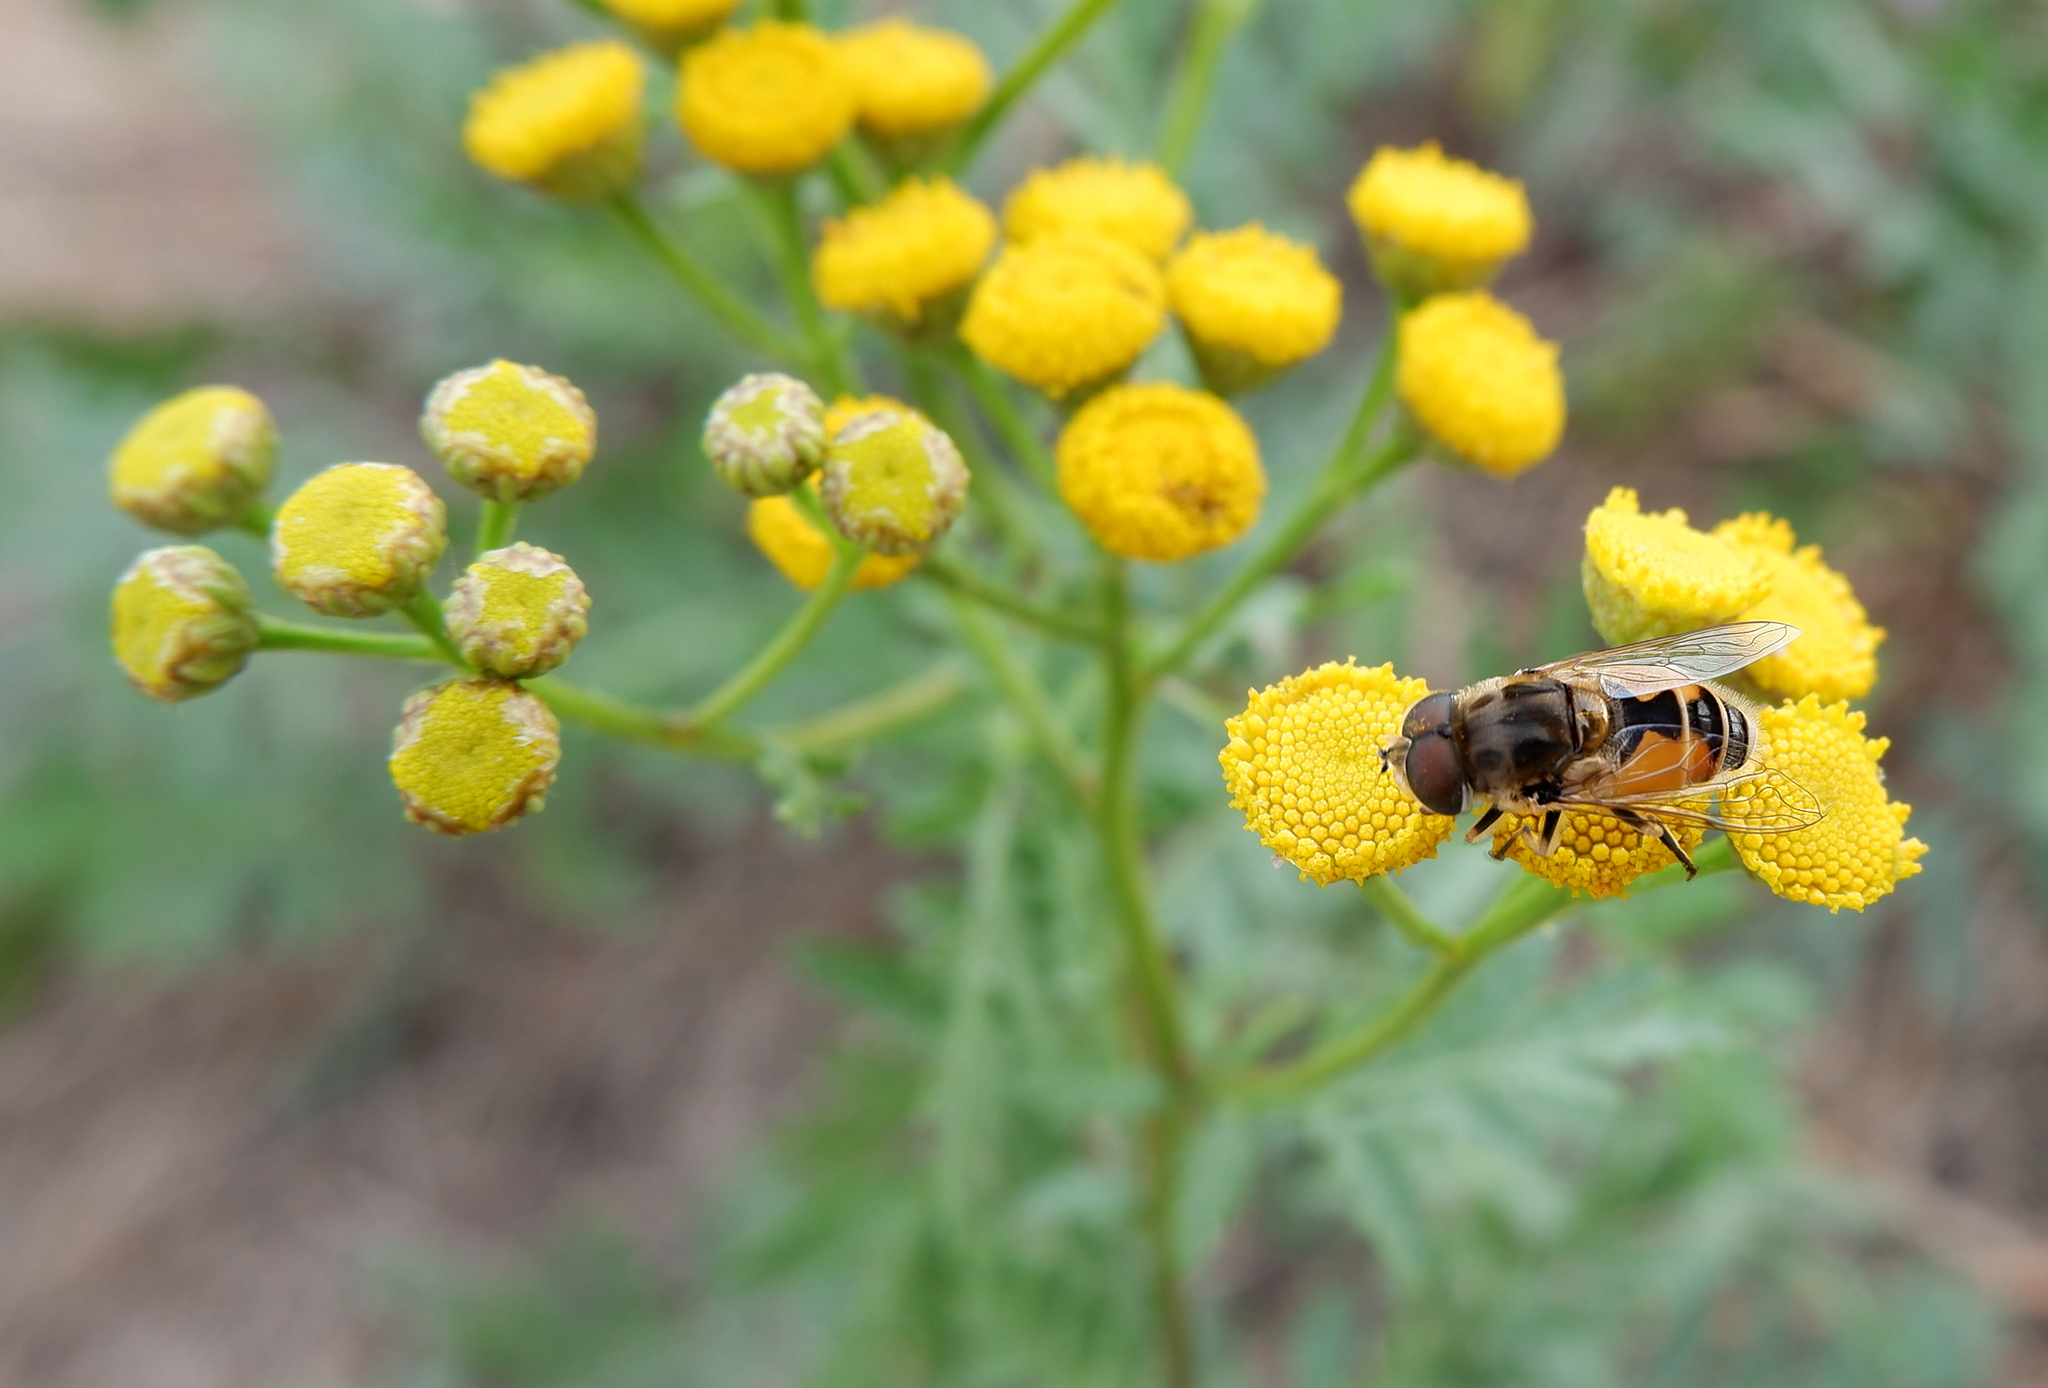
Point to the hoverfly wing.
(1649, 667)
(1758, 799)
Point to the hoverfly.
(1638, 731)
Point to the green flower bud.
(893, 481)
(182, 625)
(510, 432)
(195, 462)
(358, 539)
(470, 756)
(766, 434)
(518, 611)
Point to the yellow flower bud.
(470, 756)
(196, 462)
(1479, 378)
(1303, 765)
(1653, 575)
(1065, 313)
(510, 432)
(802, 553)
(668, 25)
(1135, 204)
(1160, 472)
(765, 434)
(1252, 304)
(182, 624)
(1434, 224)
(517, 612)
(1836, 653)
(1858, 850)
(893, 482)
(568, 122)
(906, 261)
(1596, 854)
(772, 99)
(358, 539)
(910, 80)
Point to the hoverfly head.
(1431, 767)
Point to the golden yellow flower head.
(1649, 575)
(1596, 854)
(1433, 223)
(765, 434)
(358, 539)
(568, 122)
(518, 611)
(510, 432)
(1065, 312)
(1303, 764)
(1135, 204)
(1858, 851)
(670, 24)
(912, 80)
(1479, 378)
(1160, 472)
(796, 547)
(893, 481)
(195, 462)
(1836, 653)
(771, 99)
(1253, 304)
(842, 410)
(894, 261)
(182, 624)
(470, 756)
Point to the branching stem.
(1216, 21)
(1065, 32)
(693, 275)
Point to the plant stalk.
(1064, 33)
(722, 702)
(995, 402)
(793, 266)
(693, 275)
(274, 634)
(1216, 22)
(955, 579)
(424, 612)
(495, 524)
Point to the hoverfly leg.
(1482, 824)
(1650, 824)
(1552, 822)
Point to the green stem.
(853, 171)
(995, 402)
(1023, 691)
(954, 579)
(424, 612)
(1065, 32)
(793, 267)
(865, 719)
(276, 635)
(495, 524)
(693, 275)
(255, 520)
(995, 491)
(751, 678)
(639, 723)
(1215, 23)
(1393, 903)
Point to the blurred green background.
(291, 1093)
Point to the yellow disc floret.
(1253, 304)
(358, 539)
(1434, 223)
(1596, 854)
(1858, 850)
(801, 552)
(1649, 575)
(893, 482)
(771, 99)
(518, 611)
(1479, 378)
(669, 24)
(1065, 312)
(1160, 472)
(911, 80)
(1303, 764)
(182, 623)
(1135, 204)
(896, 258)
(1836, 653)
(195, 462)
(510, 432)
(567, 122)
(470, 756)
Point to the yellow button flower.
(1065, 312)
(1479, 378)
(1135, 204)
(358, 539)
(1596, 854)
(899, 260)
(910, 80)
(1836, 653)
(669, 24)
(182, 624)
(801, 552)
(1433, 223)
(1858, 851)
(1303, 765)
(1160, 472)
(195, 462)
(765, 434)
(470, 756)
(518, 611)
(567, 122)
(1253, 304)
(893, 481)
(510, 432)
(772, 99)
(1649, 575)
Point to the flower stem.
(276, 635)
(1026, 695)
(1065, 32)
(495, 524)
(916, 698)
(1215, 23)
(693, 275)
(954, 579)
(1393, 903)
(256, 520)
(783, 647)
(793, 266)
(424, 612)
(639, 723)
(995, 402)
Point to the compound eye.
(1434, 774)
(1430, 714)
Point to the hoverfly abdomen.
(1679, 737)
